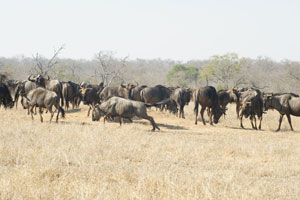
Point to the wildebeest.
(207, 97)
(229, 96)
(286, 104)
(12, 86)
(252, 106)
(155, 94)
(5, 97)
(182, 97)
(135, 93)
(42, 98)
(71, 93)
(120, 91)
(122, 108)
(52, 85)
(90, 97)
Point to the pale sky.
(169, 29)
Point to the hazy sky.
(180, 30)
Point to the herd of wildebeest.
(132, 100)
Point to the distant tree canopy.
(183, 76)
(221, 70)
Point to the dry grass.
(81, 159)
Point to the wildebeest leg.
(31, 111)
(120, 120)
(208, 111)
(280, 120)
(58, 111)
(241, 120)
(237, 109)
(73, 103)
(252, 117)
(40, 111)
(290, 121)
(52, 113)
(201, 113)
(196, 113)
(89, 111)
(260, 119)
(210, 118)
(181, 112)
(67, 104)
(152, 122)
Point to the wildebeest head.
(234, 95)
(8, 102)
(39, 79)
(97, 113)
(267, 101)
(84, 93)
(217, 113)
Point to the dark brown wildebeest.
(207, 97)
(122, 108)
(251, 106)
(5, 97)
(42, 98)
(52, 85)
(286, 104)
(182, 97)
(71, 93)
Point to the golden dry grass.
(81, 159)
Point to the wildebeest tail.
(158, 103)
(196, 101)
(60, 109)
(17, 93)
(142, 96)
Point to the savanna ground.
(81, 159)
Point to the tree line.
(222, 71)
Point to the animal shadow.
(73, 110)
(168, 126)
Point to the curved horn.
(48, 77)
(29, 77)
(137, 84)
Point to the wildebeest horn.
(48, 77)
(29, 77)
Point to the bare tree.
(110, 68)
(41, 67)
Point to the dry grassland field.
(81, 159)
